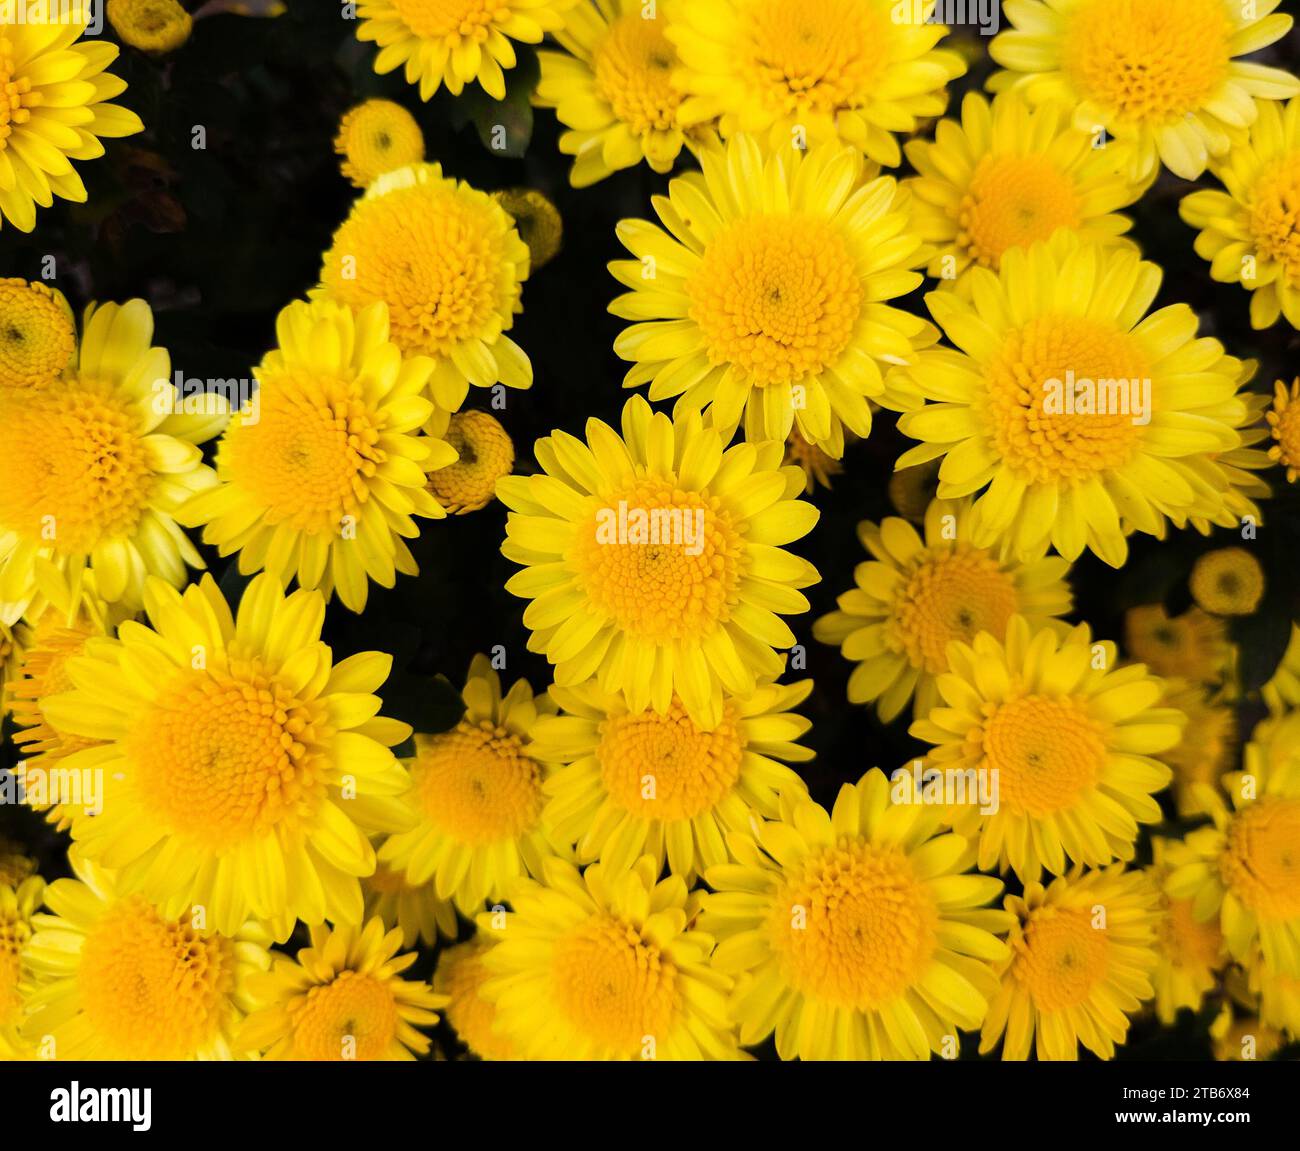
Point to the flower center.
(614, 986)
(351, 1017)
(778, 296)
(450, 20)
(14, 934)
(633, 64)
(1030, 397)
(153, 988)
(16, 95)
(1012, 201)
(1151, 61)
(1061, 958)
(477, 784)
(664, 767)
(1275, 214)
(1047, 753)
(1261, 862)
(855, 926)
(36, 336)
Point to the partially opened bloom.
(766, 296)
(854, 934)
(38, 342)
(460, 976)
(540, 224)
(654, 559)
(375, 137)
(1193, 645)
(1227, 581)
(241, 767)
(324, 466)
(1191, 952)
(484, 453)
(155, 26)
(605, 965)
(1067, 736)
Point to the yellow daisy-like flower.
(55, 108)
(638, 782)
(1083, 952)
(375, 137)
(1227, 581)
(1207, 749)
(38, 335)
(768, 299)
(1067, 736)
(455, 42)
(15, 864)
(656, 559)
(342, 999)
(1009, 175)
(1162, 79)
(1245, 868)
(605, 965)
(916, 595)
(94, 468)
(1193, 645)
(120, 979)
(612, 88)
(813, 71)
(1190, 953)
(1279, 997)
(1241, 1036)
(1249, 232)
(1284, 427)
(540, 224)
(155, 26)
(854, 935)
(475, 799)
(448, 262)
(414, 908)
(238, 763)
(323, 468)
(816, 464)
(19, 900)
(484, 453)
(460, 976)
(1077, 420)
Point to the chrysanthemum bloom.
(38, 340)
(656, 559)
(1227, 581)
(323, 468)
(1284, 427)
(1190, 952)
(448, 262)
(1279, 997)
(475, 798)
(606, 965)
(767, 300)
(634, 783)
(155, 26)
(484, 453)
(1245, 868)
(120, 979)
(817, 466)
(1083, 951)
(238, 762)
(94, 468)
(919, 594)
(1193, 645)
(19, 900)
(1207, 749)
(1162, 79)
(375, 137)
(812, 72)
(13, 643)
(1239, 1034)
(1070, 736)
(612, 89)
(540, 224)
(1019, 414)
(1009, 175)
(460, 976)
(854, 935)
(55, 108)
(342, 999)
(414, 908)
(455, 42)
(1249, 232)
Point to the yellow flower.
(447, 261)
(1019, 415)
(156, 26)
(540, 224)
(55, 108)
(15, 864)
(1070, 737)
(1192, 645)
(1283, 689)
(1242, 1036)
(455, 42)
(768, 301)
(636, 782)
(94, 467)
(1190, 953)
(913, 490)
(854, 935)
(376, 137)
(1284, 424)
(460, 976)
(606, 965)
(342, 998)
(1083, 951)
(241, 769)
(917, 595)
(475, 799)
(38, 338)
(1228, 581)
(120, 979)
(485, 453)
(1162, 79)
(323, 468)
(811, 71)
(1249, 232)
(656, 559)
(1207, 749)
(816, 464)
(414, 908)
(1279, 997)
(20, 896)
